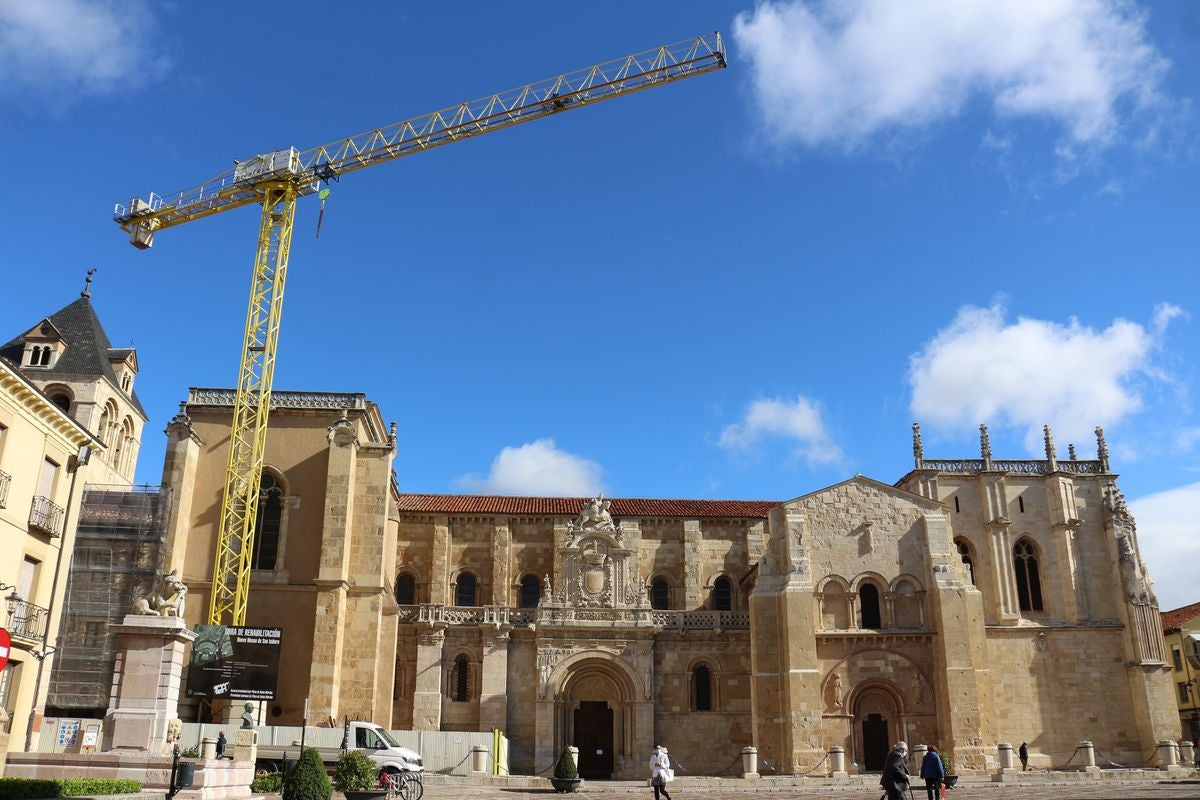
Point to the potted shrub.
(357, 777)
(951, 778)
(308, 781)
(566, 776)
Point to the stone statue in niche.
(917, 689)
(837, 691)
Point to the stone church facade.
(972, 602)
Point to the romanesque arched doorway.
(877, 724)
(597, 705)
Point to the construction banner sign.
(231, 663)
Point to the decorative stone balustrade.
(972, 465)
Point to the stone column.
(427, 696)
(179, 473)
(501, 558)
(693, 590)
(493, 696)
(145, 691)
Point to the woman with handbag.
(660, 771)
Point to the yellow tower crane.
(276, 180)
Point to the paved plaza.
(967, 790)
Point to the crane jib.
(141, 217)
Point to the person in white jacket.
(660, 766)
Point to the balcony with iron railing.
(46, 516)
(5, 482)
(564, 616)
(26, 620)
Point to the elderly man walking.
(895, 772)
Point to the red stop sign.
(5, 644)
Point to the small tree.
(565, 769)
(948, 764)
(355, 772)
(308, 780)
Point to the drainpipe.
(73, 464)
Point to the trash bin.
(185, 774)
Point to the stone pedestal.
(479, 755)
(145, 691)
(1005, 751)
(245, 745)
(1187, 754)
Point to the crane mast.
(276, 180)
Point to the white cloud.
(1028, 373)
(57, 50)
(538, 468)
(1168, 530)
(839, 73)
(799, 420)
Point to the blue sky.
(746, 285)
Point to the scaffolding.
(118, 556)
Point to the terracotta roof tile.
(570, 506)
(1177, 617)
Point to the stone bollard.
(1089, 758)
(1187, 754)
(208, 748)
(837, 761)
(1166, 753)
(574, 751)
(1006, 755)
(479, 755)
(917, 757)
(750, 762)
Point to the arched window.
(1029, 583)
(964, 551)
(462, 669)
(660, 594)
(868, 607)
(267, 522)
(464, 591)
(702, 688)
(62, 400)
(722, 594)
(406, 590)
(45, 356)
(531, 591)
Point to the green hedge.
(267, 783)
(25, 788)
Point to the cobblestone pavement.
(967, 790)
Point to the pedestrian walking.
(932, 770)
(221, 744)
(1023, 754)
(895, 778)
(660, 771)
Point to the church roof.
(570, 506)
(1175, 619)
(88, 350)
